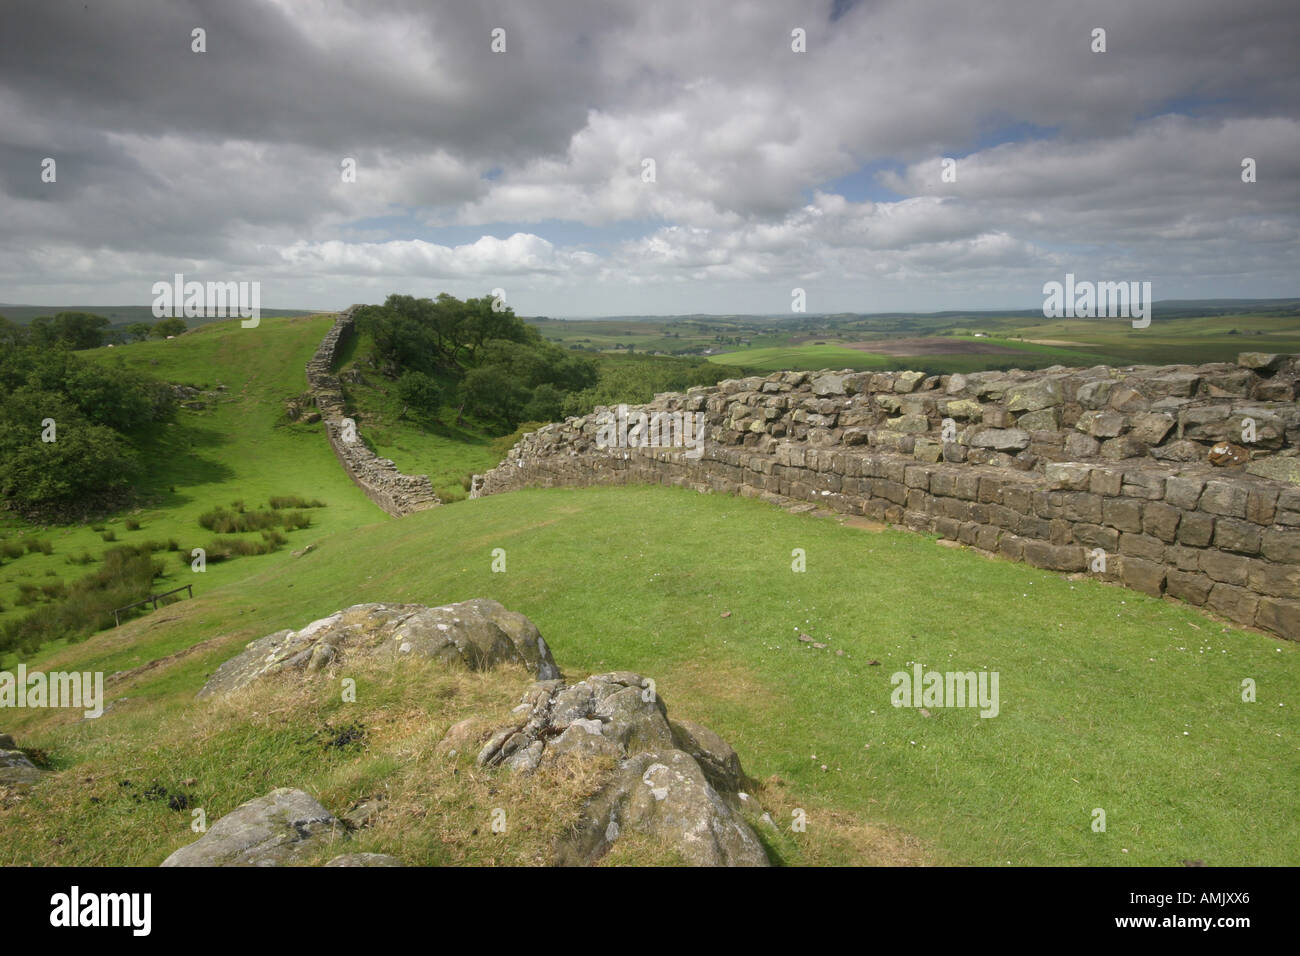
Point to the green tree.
(166, 327)
(421, 394)
(12, 334)
(489, 392)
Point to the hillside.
(238, 447)
(1111, 699)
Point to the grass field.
(1109, 699)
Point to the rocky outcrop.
(479, 633)
(16, 768)
(678, 784)
(278, 829)
(397, 493)
(1104, 471)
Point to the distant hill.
(1166, 308)
(120, 315)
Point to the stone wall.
(396, 493)
(1139, 475)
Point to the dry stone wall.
(1176, 480)
(396, 493)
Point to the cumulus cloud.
(524, 169)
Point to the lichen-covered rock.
(479, 633)
(677, 782)
(664, 795)
(16, 768)
(613, 714)
(716, 757)
(280, 828)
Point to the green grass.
(1109, 698)
(238, 448)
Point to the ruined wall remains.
(396, 493)
(1178, 480)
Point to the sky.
(525, 168)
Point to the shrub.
(84, 606)
(295, 520)
(132, 524)
(223, 521)
(293, 501)
(223, 549)
(12, 549)
(109, 535)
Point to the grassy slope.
(239, 449)
(1109, 699)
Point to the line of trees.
(69, 430)
(473, 356)
(82, 330)
(488, 362)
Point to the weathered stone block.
(1279, 615)
(1224, 498)
(1196, 529)
(1228, 568)
(1125, 514)
(1233, 534)
(1188, 586)
(1142, 575)
(1279, 580)
(1043, 554)
(1183, 492)
(1161, 520)
(1280, 545)
(1234, 603)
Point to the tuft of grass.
(223, 521)
(132, 524)
(279, 502)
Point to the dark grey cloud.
(229, 160)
